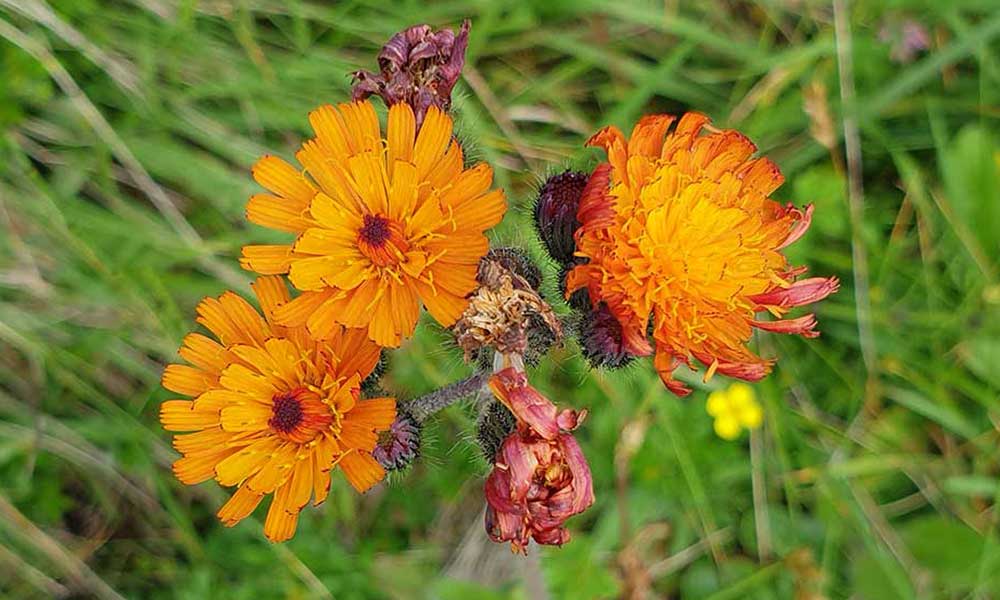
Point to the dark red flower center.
(375, 230)
(286, 412)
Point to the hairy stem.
(427, 405)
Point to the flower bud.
(399, 445)
(370, 385)
(600, 337)
(494, 425)
(514, 260)
(555, 213)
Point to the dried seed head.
(505, 313)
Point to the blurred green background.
(128, 129)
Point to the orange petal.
(460, 249)
(375, 413)
(192, 470)
(331, 132)
(187, 380)
(357, 436)
(446, 169)
(480, 214)
(307, 274)
(181, 415)
(266, 259)
(207, 441)
(283, 179)
(446, 308)
(400, 133)
(458, 280)
(204, 353)
(361, 470)
(239, 378)
(470, 183)
(323, 322)
(297, 311)
(239, 506)
(281, 519)
(252, 329)
(276, 471)
(358, 354)
(361, 123)
(278, 213)
(245, 462)
(432, 140)
(271, 293)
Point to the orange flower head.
(272, 410)
(383, 224)
(682, 241)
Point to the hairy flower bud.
(418, 66)
(495, 423)
(540, 476)
(514, 260)
(600, 337)
(398, 446)
(555, 213)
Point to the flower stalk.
(439, 399)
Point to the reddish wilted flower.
(418, 66)
(683, 242)
(540, 476)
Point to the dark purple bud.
(555, 213)
(600, 336)
(418, 66)
(399, 445)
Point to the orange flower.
(273, 409)
(681, 230)
(382, 224)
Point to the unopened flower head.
(399, 445)
(272, 409)
(555, 213)
(382, 224)
(681, 238)
(600, 337)
(540, 476)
